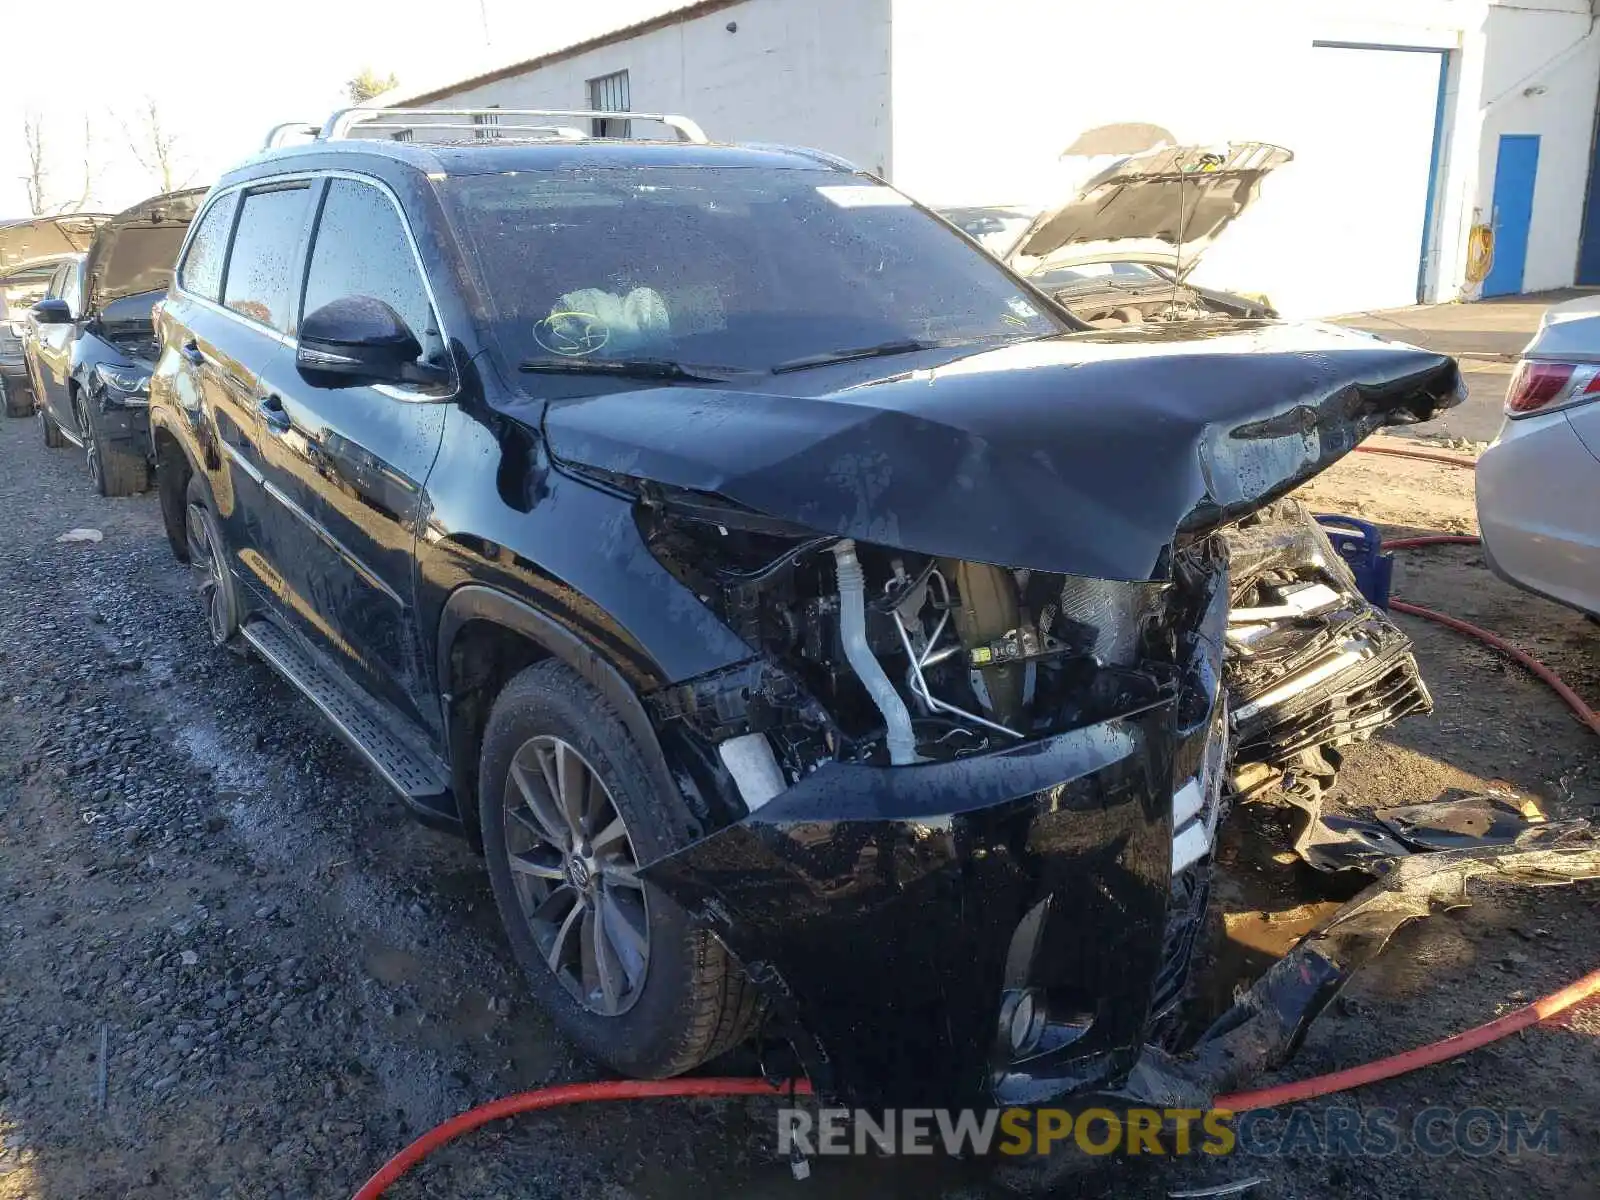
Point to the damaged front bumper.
(1001, 928)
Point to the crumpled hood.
(1089, 454)
(1164, 206)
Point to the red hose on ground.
(554, 1097)
(1571, 698)
(1423, 1056)
(1424, 455)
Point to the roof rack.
(340, 124)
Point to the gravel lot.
(292, 979)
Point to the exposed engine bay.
(891, 657)
(1114, 301)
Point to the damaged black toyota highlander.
(814, 625)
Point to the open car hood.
(1163, 207)
(138, 248)
(26, 242)
(1091, 454)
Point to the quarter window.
(362, 250)
(202, 265)
(266, 246)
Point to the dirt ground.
(291, 979)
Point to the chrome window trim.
(311, 177)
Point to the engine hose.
(555, 1097)
(1423, 1056)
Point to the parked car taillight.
(1542, 386)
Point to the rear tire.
(113, 470)
(208, 561)
(689, 1001)
(53, 437)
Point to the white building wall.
(1541, 74)
(802, 72)
(985, 100)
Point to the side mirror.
(52, 312)
(358, 340)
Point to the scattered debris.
(81, 535)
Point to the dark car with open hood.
(31, 252)
(807, 618)
(91, 340)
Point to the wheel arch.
(485, 638)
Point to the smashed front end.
(962, 794)
(1312, 665)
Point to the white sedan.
(1539, 483)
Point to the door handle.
(273, 414)
(191, 353)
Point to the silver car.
(1539, 483)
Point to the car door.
(54, 350)
(230, 346)
(349, 463)
(31, 329)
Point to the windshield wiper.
(881, 350)
(626, 368)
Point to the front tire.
(112, 470)
(568, 812)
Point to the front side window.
(262, 265)
(72, 289)
(746, 269)
(361, 249)
(202, 265)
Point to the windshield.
(737, 268)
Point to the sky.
(221, 73)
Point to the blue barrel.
(1361, 545)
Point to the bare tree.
(38, 172)
(154, 146)
(82, 202)
(368, 83)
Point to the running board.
(423, 785)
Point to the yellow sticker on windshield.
(572, 334)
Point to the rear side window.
(202, 265)
(362, 250)
(266, 246)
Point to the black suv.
(92, 344)
(802, 613)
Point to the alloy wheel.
(205, 560)
(576, 875)
(91, 451)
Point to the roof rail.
(342, 122)
(278, 135)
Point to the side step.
(421, 783)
